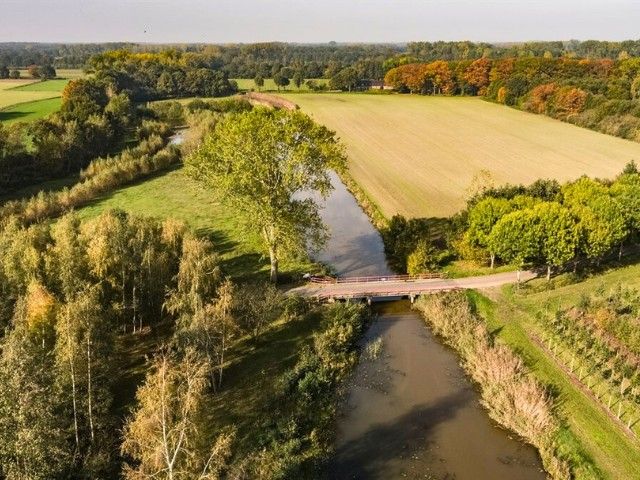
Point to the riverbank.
(510, 393)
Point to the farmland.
(418, 155)
(25, 100)
(514, 319)
(12, 92)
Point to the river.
(410, 412)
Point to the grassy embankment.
(417, 155)
(512, 316)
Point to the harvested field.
(418, 155)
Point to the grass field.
(55, 85)
(248, 84)
(512, 317)
(174, 195)
(29, 111)
(13, 92)
(417, 155)
(27, 100)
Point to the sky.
(231, 21)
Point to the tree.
(423, 259)
(258, 81)
(209, 331)
(345, 79)
(82, 98)
(298, 79)
(280, 80)
(513, 238)
(197, 279)
(32, 437)
(557, 234)
(482, 218)
(84, 345)
(477, 75)
(15, 74)
(626, 190)
(4, 71)
(631, 168)
(635, 88)
(47, 72)
(34, 71)
(164, 436)
(260, 161)
(66, 259)
(602, 226)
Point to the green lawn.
(512, 317)
(56, 85)
(249, 84)
(174, 195)
(28, 100)
(29, 111)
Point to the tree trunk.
(493, 260)
(73, 399)
(548, 273)
(221, 366)
(518, 275)
(620, 251)
(89, 393)
(273, 255)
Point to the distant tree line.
(318, 60)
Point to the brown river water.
(410, 411)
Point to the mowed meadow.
(417, 155)
(27, 99)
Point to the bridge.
(378, 288)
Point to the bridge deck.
(409, 287)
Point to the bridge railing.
(375, 278)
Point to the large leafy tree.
(557, 234)
(482, 217)
(262, 162)
(514, 238)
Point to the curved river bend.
(410, 412)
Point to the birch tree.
(165, 434)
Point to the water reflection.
(355, 247)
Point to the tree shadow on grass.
(250, 380)
(7, 116)
(366, 456)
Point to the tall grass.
(510, 393)
(101, 176)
